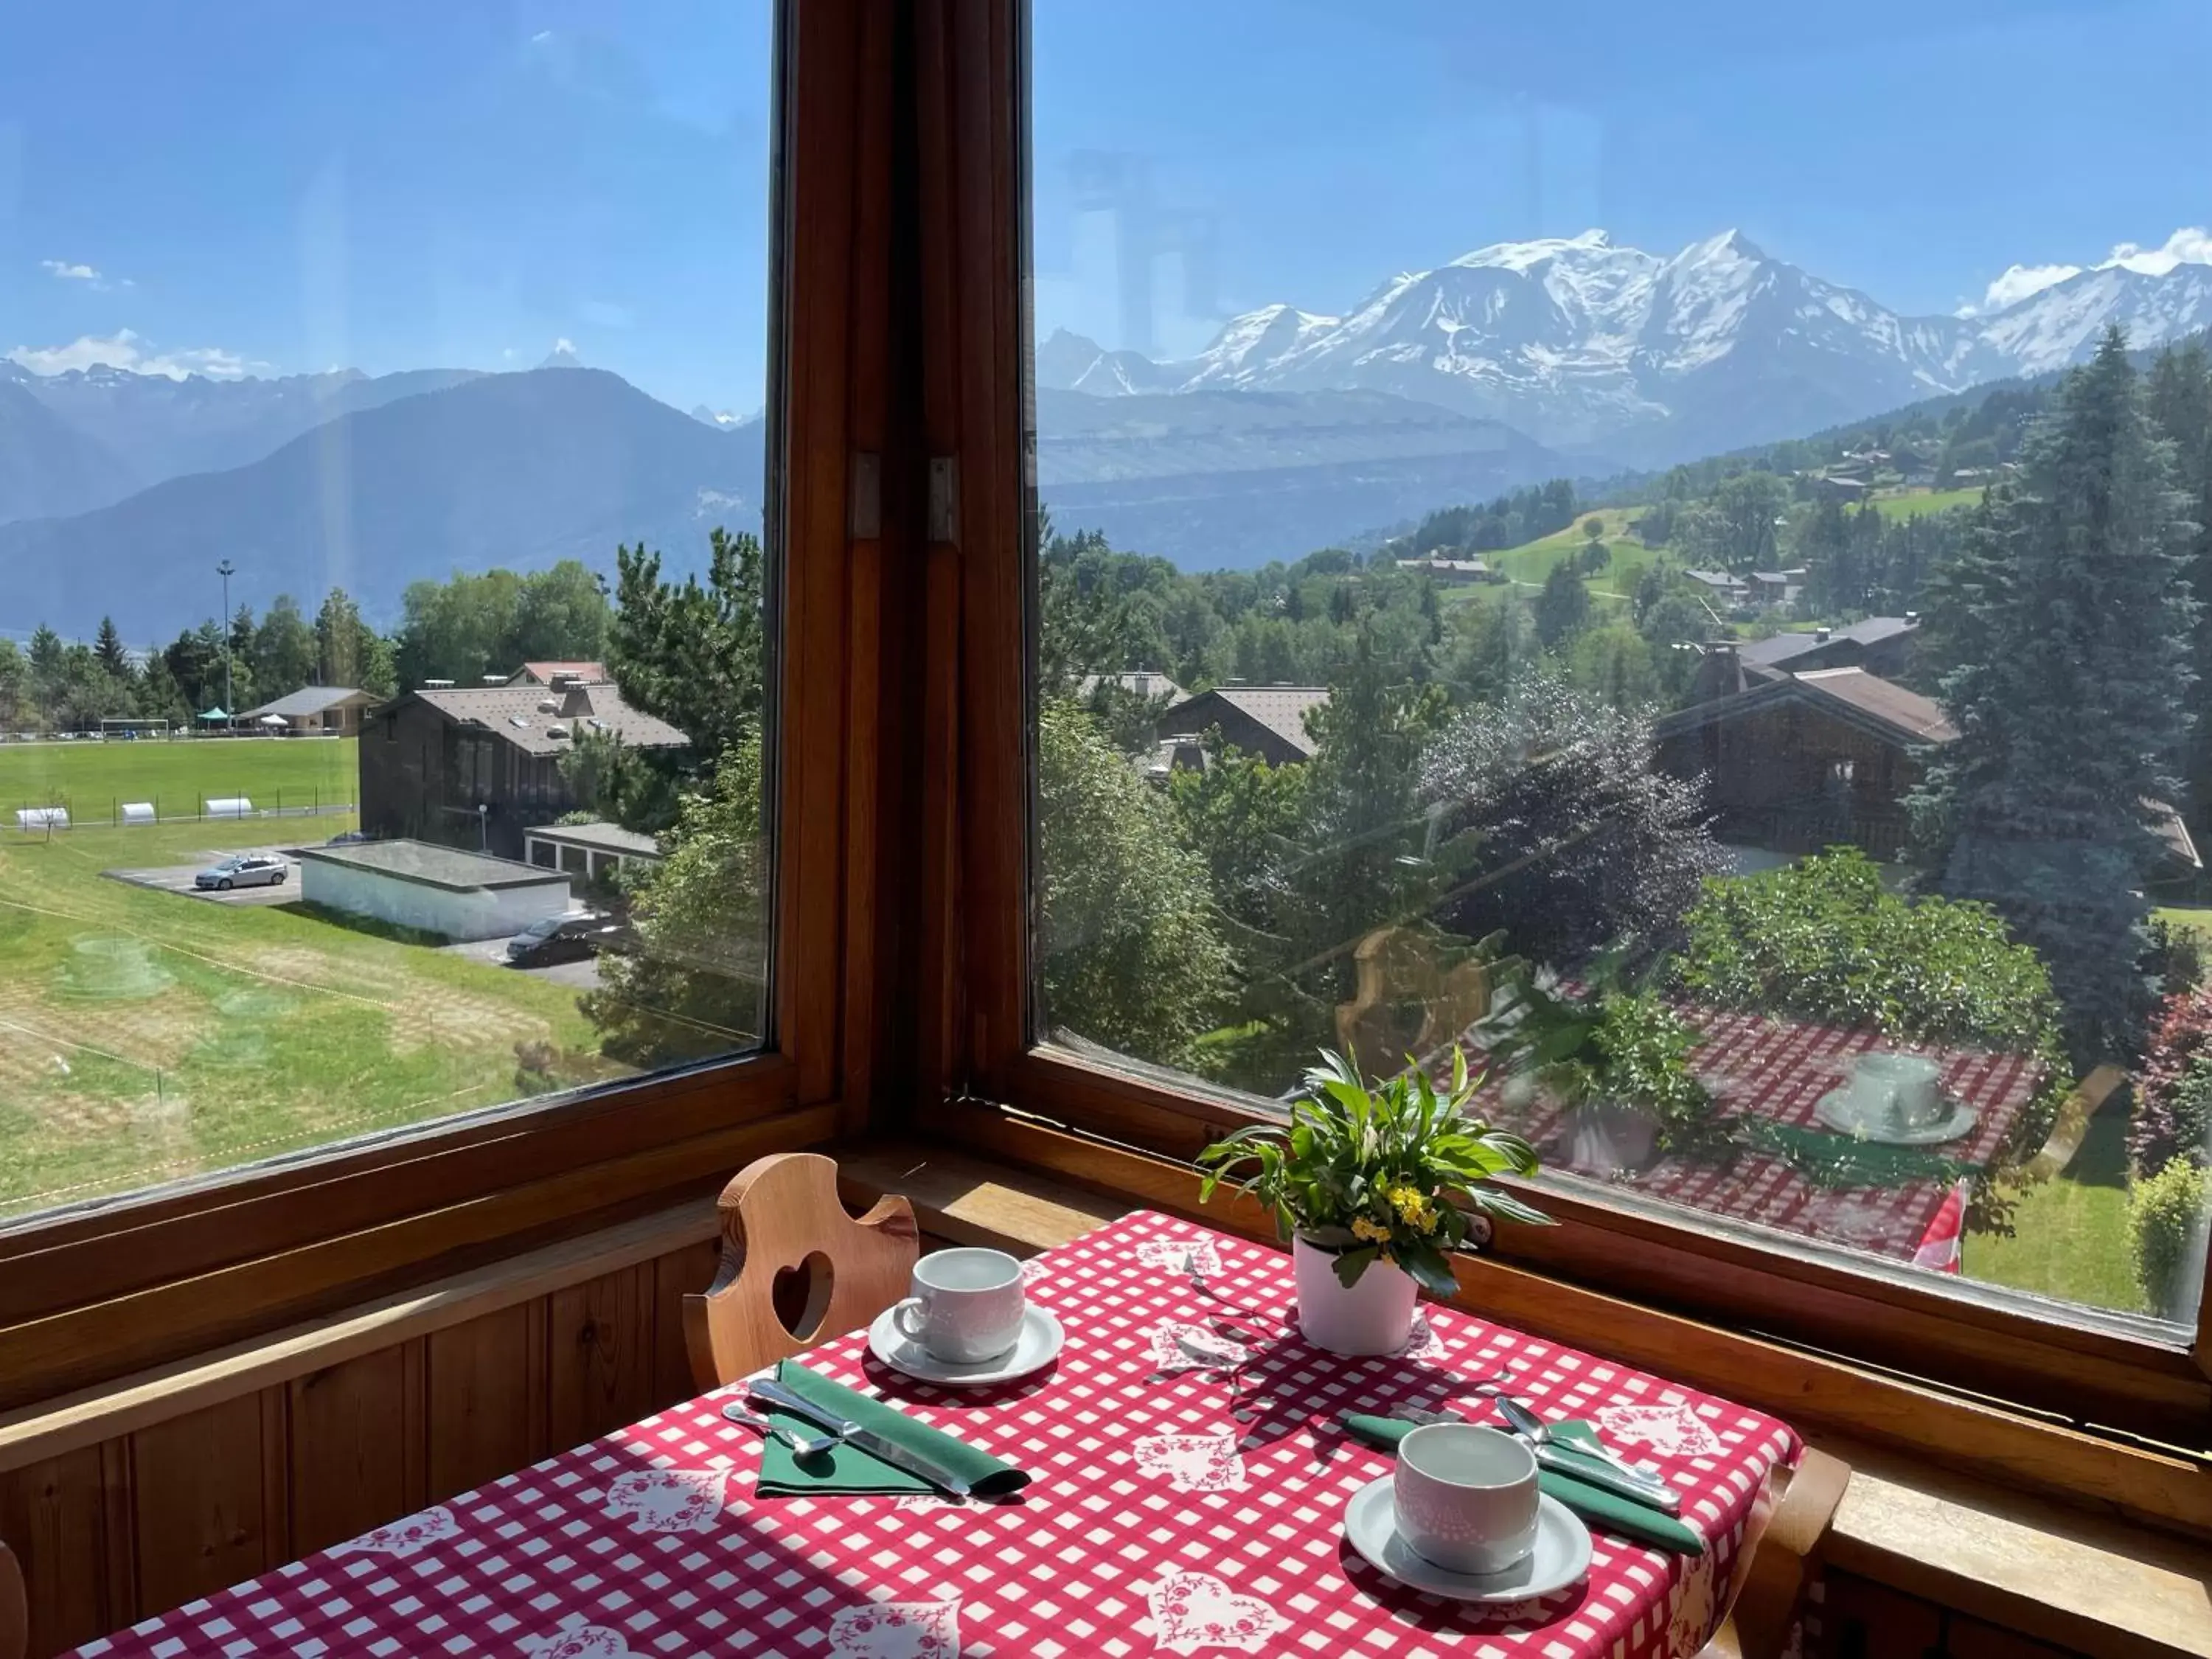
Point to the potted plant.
(1618, 1066)
(1373, 1186)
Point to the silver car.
(243, 869)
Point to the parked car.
(244, 870)
(564, 939)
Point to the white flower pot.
(1375, 1315)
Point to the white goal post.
(117, 728)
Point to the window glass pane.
(1611, 543)
(382, 467)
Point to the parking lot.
(178, 879)
(580, 976)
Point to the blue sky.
(267, 186)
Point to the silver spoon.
(802, 1445)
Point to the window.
(416, 359)
(1595, 565)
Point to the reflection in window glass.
(381, 478)
(1596, 541)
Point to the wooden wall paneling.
(599, 1351)
(486, 1387)
(356, 1446)
(54, 1517)
(119, 1506)
(675, 1276)
(204, 1513)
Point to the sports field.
(93, 778)
(147, 1035)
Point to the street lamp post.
(224, 571)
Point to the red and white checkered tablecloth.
(1146, 1530)
(1779, 1068)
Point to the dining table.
(1154, 1520)
(1779, 1068)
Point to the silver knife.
(1562, 1457)
(867, 1440)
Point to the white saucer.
(1037, 1347)
(1832, 1110)
(1561, 1556)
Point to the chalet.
(326, 711)
(1721, 589)
(1813, 759)
(477, 766)
(1803, 760)
(1452, 572)
(1267, 720)
(1771, 587)
(1880, 645)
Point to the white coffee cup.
(1466, 1497)
(1896, 1091)
(966, 1305)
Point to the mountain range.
(475, 471)
(119, 492)
(1620, 357)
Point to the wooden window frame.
(2089, 1409)
(89, 1293)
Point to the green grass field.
(91, 779)
(146, 1034)
(1527, 564)
(1925, 501)
(2071, 1233)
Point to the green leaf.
(1496, 1201)
(1352, 1263)
(1430, 1269)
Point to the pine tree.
(1563, 608)
(109, 649)
(2181, 400)
(2065, 627)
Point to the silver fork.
(802, 1445)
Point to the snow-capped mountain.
(1585, 344)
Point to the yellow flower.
(1373, 1231)
(1414, 1207)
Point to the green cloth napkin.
(848, 1469)
(1616, 1514)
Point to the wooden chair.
(15, 1608)
(1780, 1554)
(782, 1216)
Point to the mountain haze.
(515, 469)
(154, 428)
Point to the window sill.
(2092, 1585)
(2096, 1586)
